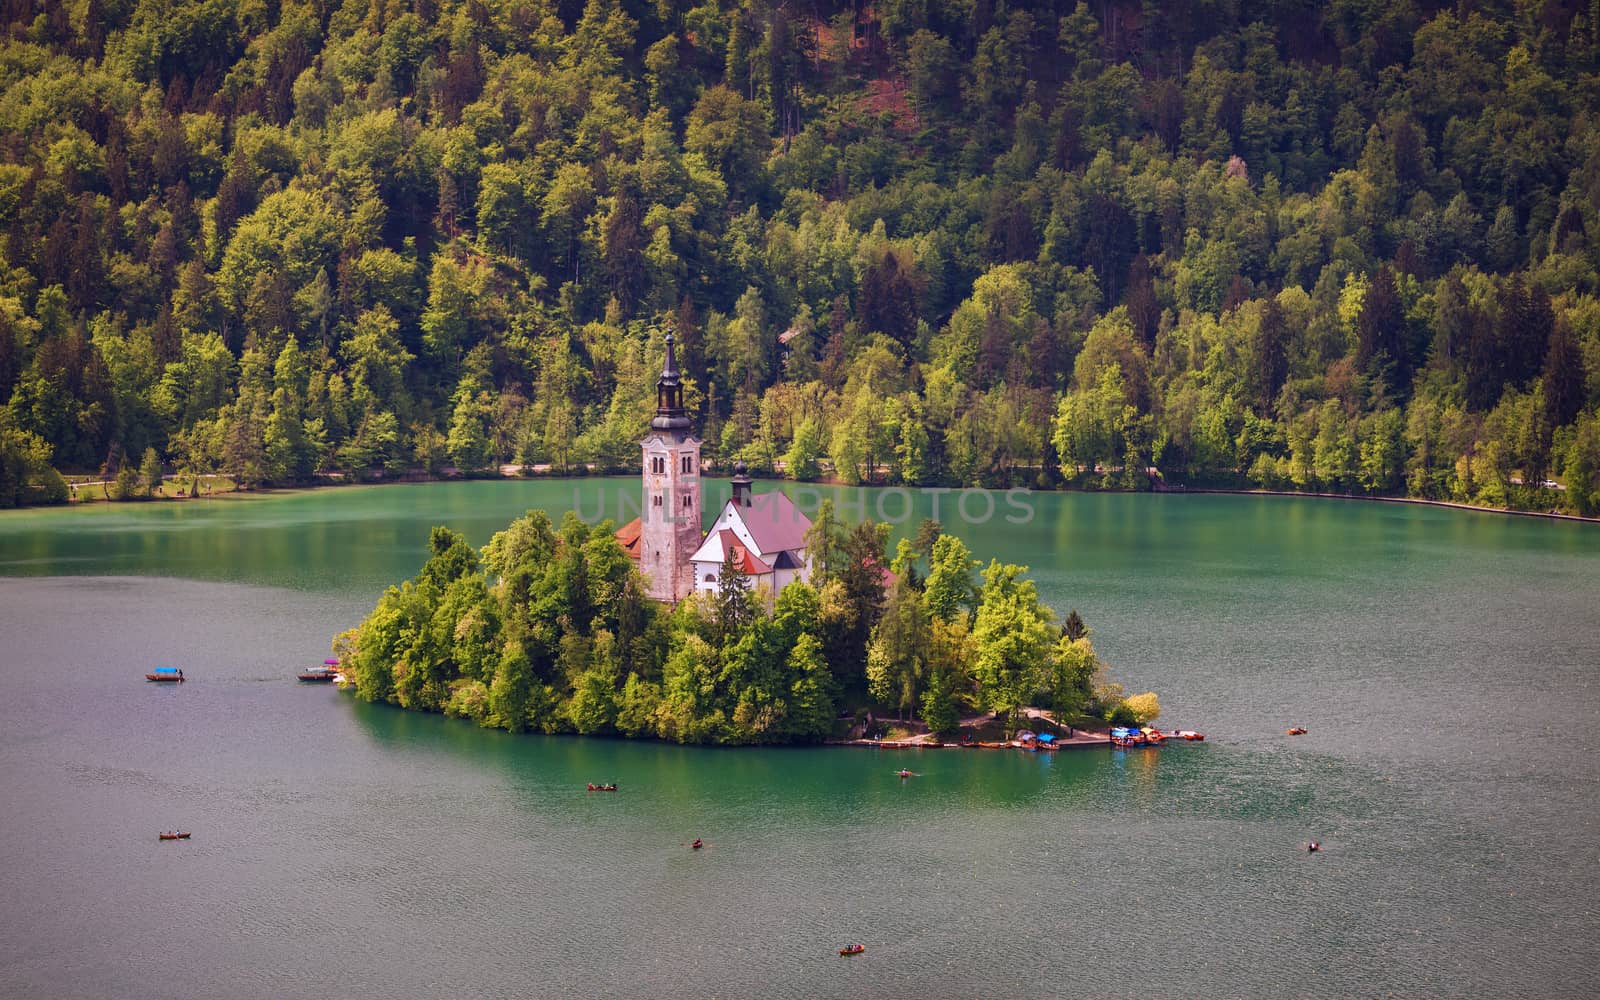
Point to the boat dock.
(1077, 741)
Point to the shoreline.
(1420, 501)
(521, 476)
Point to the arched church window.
(688, 464)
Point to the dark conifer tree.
(834, 356)
(1144, 312)
(10, 356)
(1074, 628)
(1525, 326)
(888, 300)
(731, 609)
(1563, 377)
(691, 343)
(1270, 367)
(236, 195)
(1382, 338)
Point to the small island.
(549, 628)
(759, 630)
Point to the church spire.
(741, 484)
(670, 414)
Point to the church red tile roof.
(747, 560)
(628, 537)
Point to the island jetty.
(1074, 739)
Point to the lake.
(1446, 664)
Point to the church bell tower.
(669, 521)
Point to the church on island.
(765, 532)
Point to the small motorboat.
(696, 845)
(1190, 734)
(1297, 730)
(904, 773)
(1313, 847)
(165, 675)
(602, 788)
(852, 949)
(318, 675)
(174, 835)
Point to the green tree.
(896, 659)
(1013, 637)
(150, 472)
(950, 590)
(733, 608)
(1581, 466)
(468, 442)
(26, 476)
(939, 709)
(511, 696)
(811, 692)
(730, 132)
(800, 461)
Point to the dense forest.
(548, 629)
(1348, 247)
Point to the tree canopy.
(1345, 249)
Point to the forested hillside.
(1349, 247)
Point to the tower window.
(688, 500)
(655, 501)
(658, 465)
(688, 464)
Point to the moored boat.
(174, 835)
(327, 673)
(165, 675)
(852, 949)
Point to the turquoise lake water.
(1447, 665)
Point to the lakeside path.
(1419, 501)
(537, 472)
